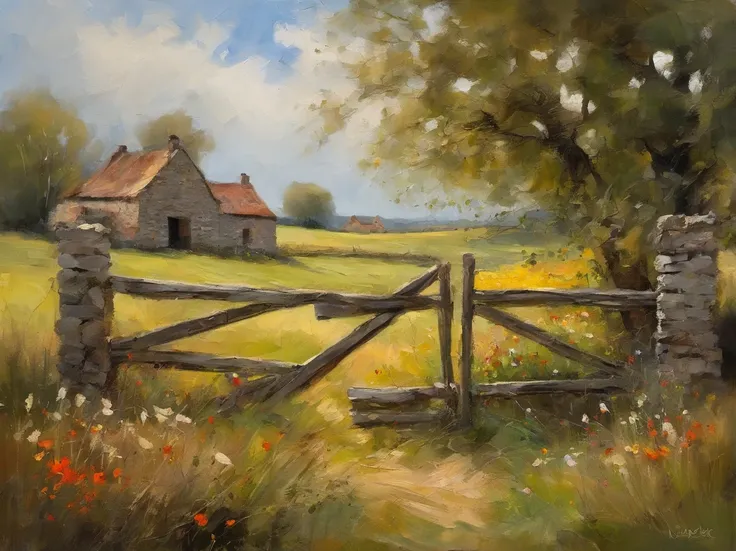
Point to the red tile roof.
(126, 175)
(240, 199)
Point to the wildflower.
(623, 422)
(527, 491)
(632, 449)
(79, 400)
(497, 364)
(528, 410)
(46, 444)
(584, 315)
(664, 384)
(585, 419)
(182, 419)
(83, 510)
(657, 416)
(664, 451)
(94, 429)
(56, 416)
(604, 408)
(39, 456)
(555, 371)
(167, 449)
(669, 433)
(544, 451)
(711, 429)
(61, 394)
(710, 398)
(651, 454)
(266, 445)
(223, 459)
(144, 416)
(637, 352)
(236, 378)
(515, 338)
(697, 426)
(512, 351)
(33, 437)
(230, 523)
(29, 402)
(537, 462)
(589, 335)
(165, 412)
(630, 360)
(569, 461)
(685, 412)
(690, 435)
(608, 451)
(543, 362)
(117, 472)
(145, 444)
(106, 407)
(211, 420)
(98, 478)
(652, 433)
(650, 424)
(50, 517)
(641, 399)
(633, 418)
(554, 318)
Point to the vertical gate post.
(466, 353)
(687, 341)
(444, 320)
(85, 307)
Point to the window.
(246, 238)
(180, 234)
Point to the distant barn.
(160, 199)
(356, 225)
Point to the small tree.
(156, 132)
(310, 204)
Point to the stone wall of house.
(262, 234)
(687, 342)
(121, 216)
(178, 191)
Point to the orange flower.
(130, 356)
(650, 424)
(497, 364)
(664, 451)
(230, 523)
(652, 433)
(266, 445)
(515, 338)
(95, 428)
(83, 510)
(98, 478)
(44, 489)
(711, 429)
(697, 426)
(554, 318)
(139, 383)
(608, 451)
(117, 473)
(52, 496)
(46, 444)
(211, 420)
(50, 517)
(89, 497)
(44, 412)
(664, 383)
(651, 454)
(685, 445)
(167, 449)
(691, 436)
(630, 360)
(544, 451)
(201, 519)
(72, 433)
(543, 362)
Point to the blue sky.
(247, 71)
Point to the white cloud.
(120, 76)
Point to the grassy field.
(390, 490)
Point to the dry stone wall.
(687, 342)
(85, 306)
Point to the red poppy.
(211, 420)
(497, 364)
(691, 436)
(236, 380)
(50, 517)
(650, 424)
(229, 523)
(130, 356)
(266, 445)
(98, 478)
(72, 433)
(608, 451)
(652, 433)
(117, 473)
(46, 444)
(664, 384)
(543, 362)
(139, 383)
(167, 449)
(651, 454)
(201, 519)
(711, 429)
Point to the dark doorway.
(180, 235)
(246, 238)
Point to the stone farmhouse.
(357, 226)
(161, 199)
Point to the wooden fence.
(686, 341)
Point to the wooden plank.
(620, 299)
(194, 361)
(170, 290)
(514, 389)
(327, 360)
(191, 327)
(546, 339)
(444, 325)
(381, 417)
(397, 396)
(466, 342)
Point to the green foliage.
(608, 114)
(43, 150)
(156, 132)
(311, 204)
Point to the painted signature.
(697, 533)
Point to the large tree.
(44, 147)
(310, 204)
(156, 132)
(608, 112)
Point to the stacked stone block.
(85, 307)
(687, 342)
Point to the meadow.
(533, 474)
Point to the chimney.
(245, 179)
(174, 143)
(121, 150)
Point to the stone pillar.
(687, 342)
(85, 307)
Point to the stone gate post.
(687, 341)
(85, 306)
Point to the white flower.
(165, 412)
(603, 407)
(569, 461)
(633, 418)
(107, 411)
(637, 352)
(623, 422)
(182, 418)
(537, 462)
(555, 371)
(56, 416)
(145, 444)
(528, 410)
(589, 335)
(586, 419)
(161, 418)
(514, 364)
(527, 491)
(106, 404)
(222, 458)
(29, 402)
(656, 415)
(641, 399)
(79, 400)
(671, 433)
(61, 394)
(685, 412)
(577, 454)
(584, 315)
(512, 351)
(33, 437)
(144, 416)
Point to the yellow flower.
(544, 451)
(710, 398)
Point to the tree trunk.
(641, 324)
